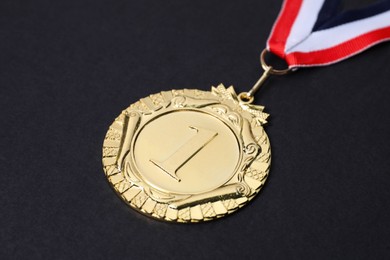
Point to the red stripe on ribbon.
(338, 52)
(282, 28)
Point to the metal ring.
(244, 98)
(268, 67)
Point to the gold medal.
(188, 155)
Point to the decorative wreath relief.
(188, 155)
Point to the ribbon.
(311, 33)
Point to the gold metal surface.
(188, 155)
(260, 82)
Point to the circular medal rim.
(223, 96)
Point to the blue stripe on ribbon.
(329, 9)
(332, 8)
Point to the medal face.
(188, 155)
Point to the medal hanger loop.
(247, 97)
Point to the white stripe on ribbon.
(331, 37)
(304, 22)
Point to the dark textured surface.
(67, 69)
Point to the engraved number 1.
(186, 152)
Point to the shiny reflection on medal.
(188, 155)
(186, 152)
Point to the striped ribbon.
(317, 32)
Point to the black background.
(67, 69)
